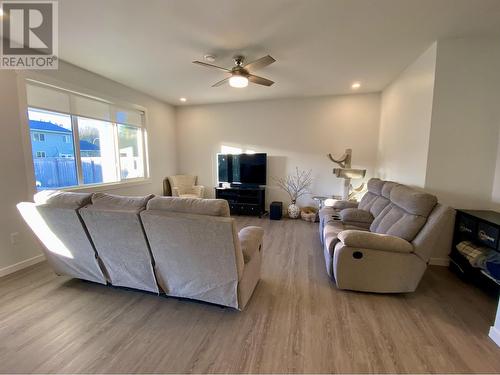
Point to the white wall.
(440, 121)
(495, 329)
(13, 184)
(17, 182)
(495, 190)
(465, 121)
(293, 132)
(405, 122)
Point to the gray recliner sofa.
(55, 219)
(115, 228)
(384, 243)
(182, 247)
(199, 253)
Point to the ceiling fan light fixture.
(240, 75)
(238, 81)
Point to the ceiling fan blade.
(259, 80)
(220, 83)
(260, 63)
(211, 66)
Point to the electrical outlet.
(14, 238)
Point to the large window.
(78, 140)
(131, 155)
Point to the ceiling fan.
(241, 74)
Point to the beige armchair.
(183, 186)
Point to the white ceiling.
(321, 46)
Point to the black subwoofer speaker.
(276, 211)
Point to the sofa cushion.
(119, 202)
(374, 200)
(367, 201)
(371, 200)
(339, 204)
(375, 241)
(62, 199)
(387, 188)
(375, 185)
(356, 215)
(413, 201)
(406, 214)
(396, 222)
(210, 207)
(378, 205)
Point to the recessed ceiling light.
(209, 58)
(183, 100)
(356, 85)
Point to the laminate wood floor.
(296, 321)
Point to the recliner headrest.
(210, 207)
(62, 199)
(119, 202)
(375, 185)
(413, 201)
(387, 188)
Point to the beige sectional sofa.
(115, 228)
(383, 244)
(55, 220)
(198, 252)
(181, 247)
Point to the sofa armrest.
(340, 204)
(356, 215)
(374, 241)
(250, 241)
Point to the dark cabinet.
(243, 200)
(479, 227)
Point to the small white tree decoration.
(296, 185)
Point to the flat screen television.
(244, 169)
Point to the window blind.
(60, 100)
(44, 98)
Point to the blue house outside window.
(54, 156)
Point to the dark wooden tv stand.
(244, 200)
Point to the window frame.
(76, 139)
(42, 154)
(41, 137)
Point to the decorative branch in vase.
(295, 185)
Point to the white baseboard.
(445, 262)
(23, 264)
(495, 335)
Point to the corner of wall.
(405, 117)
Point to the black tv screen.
(250, 169)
